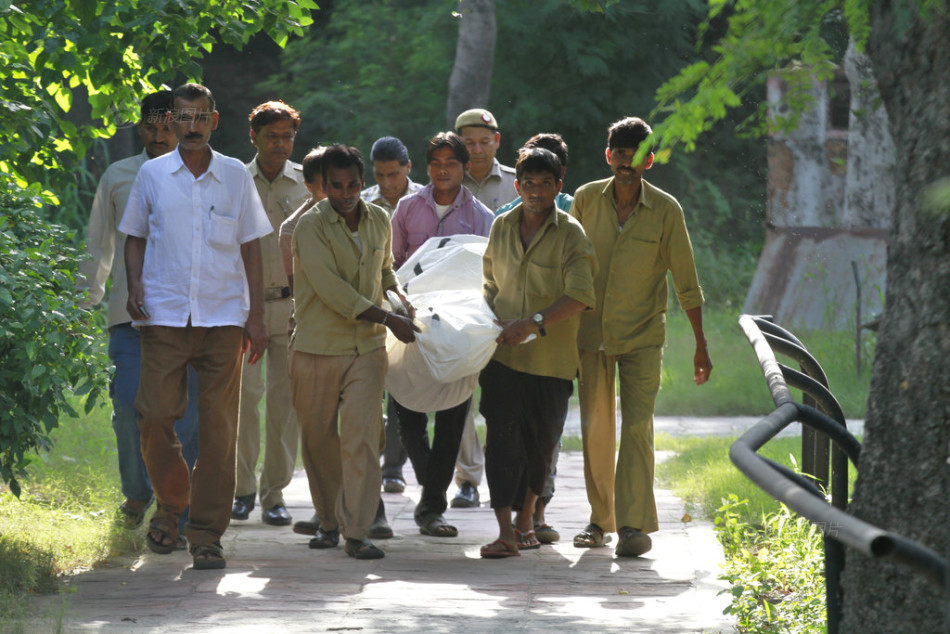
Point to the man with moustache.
(494, 185)
(342, 265)
(193, 258)
(280, 185)
(639, 234)
(105, 246)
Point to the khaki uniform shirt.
(280, 198)
(334, 280)
(518, 283)
(105, 244)
(497, 189)
(631, 283)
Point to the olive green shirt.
(334, 280)
(631, 283)
(518, 283)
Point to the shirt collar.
(176, 163)
(645, 195)
(513, 217)
(464, 196)
(287, 171)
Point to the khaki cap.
(476, 117)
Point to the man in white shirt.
(193, 258)
(105, 246)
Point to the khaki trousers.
(281, 432)
(339, 406)
(215, 354)
(622, 496)
(471, 459)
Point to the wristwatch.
(538, 320)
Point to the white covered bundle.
(443, 280)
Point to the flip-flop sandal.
(436, 526)
(165, 529)
(499, 549)
(546, 533)
(591, 537)
(527, 540)
(362, 549)
(208, 556)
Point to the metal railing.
(821, 415)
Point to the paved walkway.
(275, 582)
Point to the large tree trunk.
(904, 478)
(470, 82)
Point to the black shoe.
(466, 498)
(394, 485)
(380, 528)
(243, 505)
(307, 527)
(276, 516)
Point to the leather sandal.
(161, 529)
(591, 537)
(208, 556)
(436, 526)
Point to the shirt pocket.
(641, 253)
(222, 230)
(544, 281)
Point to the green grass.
(701, 474)
(63, 521)
(736, 386)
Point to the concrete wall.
(830, 196)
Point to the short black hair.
(341, 156)
(550, 141)
(155, 106)
(193, 92)
(389, 148)
(313, 163)
(537, 160)
(449, 140)
(629, 132)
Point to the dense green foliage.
(47, 353)
(557, 68)
(115, 52)
(775, 570)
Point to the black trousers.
(524, 417)
(435, 465)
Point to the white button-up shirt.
(194, 229)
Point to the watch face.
(538, 319)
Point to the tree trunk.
(470, 82)
(904, 477)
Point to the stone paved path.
(275, 583)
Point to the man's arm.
(255, 335)
(702, 365)
(517, 330)
(100, 244)
(134, 261)
(401, 327)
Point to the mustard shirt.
(518, 283)
(631, 283)
(334, 281)
(280, 198)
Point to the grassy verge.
(736, 386)
(774, 558)
(63, 521)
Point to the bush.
(775, 570)
(47, 354)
